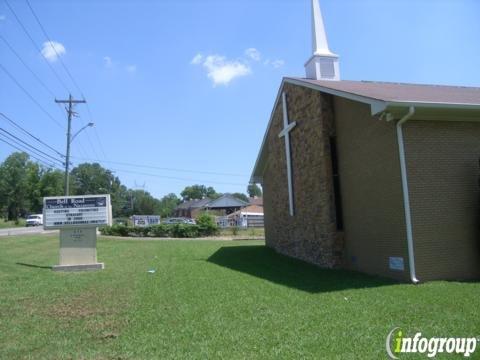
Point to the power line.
(53, 47)
(36, 46)
(30, 134)
(95, 131)
(162, 168)
(30, 146)
(47, 37)
(177, 178)
(30, 96)
(39, 160)
(26, 66)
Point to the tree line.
(24, 183)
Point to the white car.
(35, 220)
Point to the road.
(25, 231)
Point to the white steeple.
(323, 64)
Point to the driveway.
(25, 231)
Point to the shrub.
(161, 230)
(185, 231)
(140, 231)
(206, 225)
(115, 230)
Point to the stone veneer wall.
(311, 233)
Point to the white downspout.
(406, 197)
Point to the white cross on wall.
(286, 134)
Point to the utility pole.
(71, 102)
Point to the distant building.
(249, 216)
(258, 201)
(191, 208)
(226, 204)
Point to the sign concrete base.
(78, 250)
(86, 267)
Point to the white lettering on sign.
(76, 211)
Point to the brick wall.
(442, 159)
(370, 182)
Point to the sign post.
(77, 217)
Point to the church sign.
(77, 217)
(76, 211)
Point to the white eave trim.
(376, 105)
(433, 105)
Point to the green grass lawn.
(10, 224)
(240, 232)
(210, 299)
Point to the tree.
(144, 203)
(168, 203)
(52, 183)
(254, 190)
(13, 185)
(241, 196)
(91, 179)
(198, 192)
(34, 196)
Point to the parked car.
(35, 220)
(190, 221)
(179, 221)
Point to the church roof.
(401, 92)
(430, 101)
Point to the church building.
(377, 177)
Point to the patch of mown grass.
(4, 224)
(210, 299)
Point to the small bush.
(206, 228)
(140, 231)
(115, 230)
(161, 230)
(185, 231)
(206, 225)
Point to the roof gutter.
(406, 197)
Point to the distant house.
(190, 209)
(226, 204)
(258, 201)
(249, 216)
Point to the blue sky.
(189, 85)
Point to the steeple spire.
(323, 64)
(319, 36)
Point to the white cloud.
(131, 68)
(278, 63)
(222, 71)
(107, 61)
(51, 50)
(197, 59)
(253, 54)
